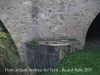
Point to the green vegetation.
(72, 40)
(9, 57)
(88, 58)
(46, 42)
(53, 39)
(34, 42)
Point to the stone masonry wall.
(28, 19)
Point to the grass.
(87, 60)
(72, 40)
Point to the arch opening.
(93, 32)
(8, 52)
(5, 30)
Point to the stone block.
(42, 56)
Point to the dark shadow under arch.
(3, 27)
(93, 32)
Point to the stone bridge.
(29, 19)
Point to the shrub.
(34, 42)
(72, 40)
